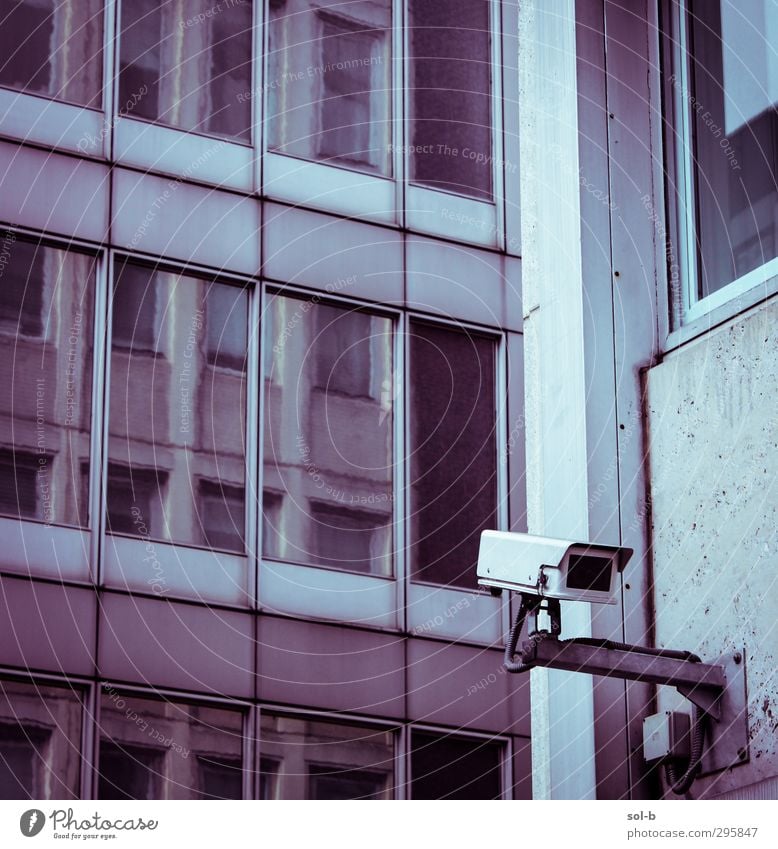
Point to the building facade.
(261, 331)
(297, 297)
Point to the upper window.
(53, 48)
(450, 95)
(188, 65)
(329, 82)
(725, 86)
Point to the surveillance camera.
(550, 568)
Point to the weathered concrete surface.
(713, 429)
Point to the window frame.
(57, 123)
(376, 600)
(397, 729)
(191, 577)
(99, 688)
(441, 213)
(484, 618)
(336, 188)
(83, 688)
(504, 741)
(689, 314)
(158, 148)
(30, 542)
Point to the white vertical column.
(562, 703)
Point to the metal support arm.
(701, 683)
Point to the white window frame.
(187, 155)
(190, 571)
(699, 314)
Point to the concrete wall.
(713, 425)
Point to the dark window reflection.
(454, 767)
(734, 74)
(450, 92)
(53, 48)
(453, 452)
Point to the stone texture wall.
(713, 427)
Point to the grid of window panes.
(164, 748)
(176, 389)
(327, 79)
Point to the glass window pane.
(328, 437)
(453, 452)
(53, 48)
(447, 767)
(329, 82)
(40, 742)
(450, 94)
(188, 65)
(315, 759)
(734, 71)
(46, 314)
(177, 408)
(168, 750)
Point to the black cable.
(596, 642)
(513, 638)
(679, 785)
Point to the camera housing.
(550, 568)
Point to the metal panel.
(326, 666)
(313, 592)
(510, 93)
(635, 160)
(50, 123)
(177, 571)
(463, 687)
(184, 646)
(312, 249)
(47, 626)
(53, 192)
(516, 435)
(169, 218)
(33, 548)
(456, 281)
(185, 155)
(612, 755)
